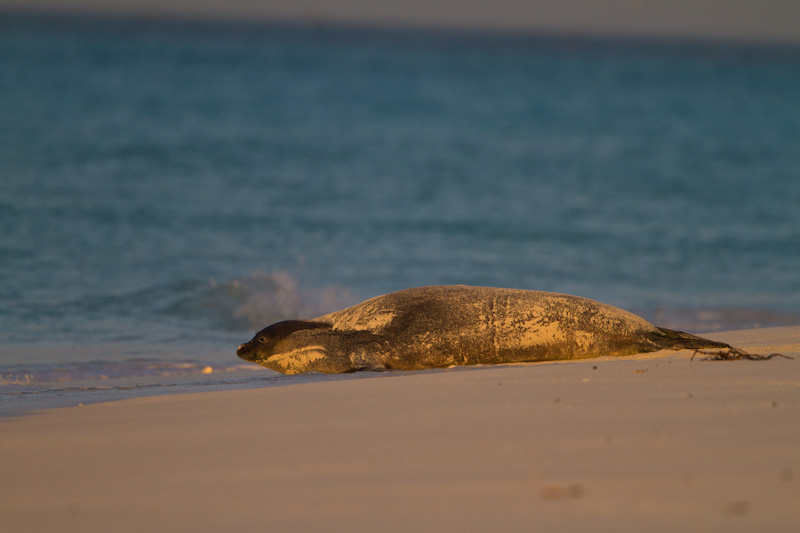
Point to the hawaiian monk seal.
(441, 326)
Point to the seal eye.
(262, 340)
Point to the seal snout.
(243, 351)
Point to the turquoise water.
(168, 188)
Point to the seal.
(447, 325)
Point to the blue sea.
(168, 188)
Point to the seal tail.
(678, 340)
(713, 350)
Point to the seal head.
(286, 346)
(294, 346)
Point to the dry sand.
(654, 442)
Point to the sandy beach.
(655, 442)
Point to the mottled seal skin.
(441, 326)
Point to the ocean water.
(168, 188)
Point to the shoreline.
(654, 441)
(188, 377)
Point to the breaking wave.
(258, 300)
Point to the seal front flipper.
(364, 350)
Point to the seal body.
(441, 326)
